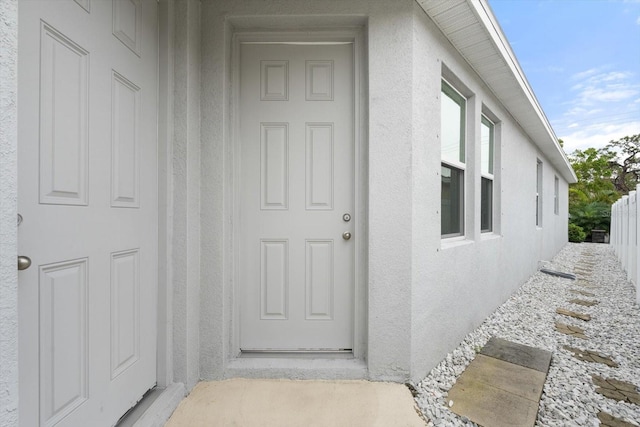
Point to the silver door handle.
(24, 262)
(346, 235)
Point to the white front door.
(296, 197)
(87, 118)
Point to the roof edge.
(543, 136)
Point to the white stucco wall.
(389, 155)
(456, 284)
(8, 214)
(423, 296)
(186, 171)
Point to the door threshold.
(301, 354)
(133, 414)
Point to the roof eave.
(498, 68)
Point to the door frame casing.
(353, 36)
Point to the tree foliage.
(604, 175)
(595, 177)
(625, 163)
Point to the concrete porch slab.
(264, 403)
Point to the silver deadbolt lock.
(346, 217)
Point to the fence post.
(625, 232)
(631, 254)
(636, 258)
(613, 234)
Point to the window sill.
(454, 242)
(490, 236)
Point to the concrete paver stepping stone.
(584, 293)
(583, 302)
(590, 356)
(608, 420)
(523, 355)
(585, 283)
(502, 385)
(581, 316)
(571, 330)
(490, 406)
(616, 389)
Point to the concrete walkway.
(282, 403)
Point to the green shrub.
(576, 233)
(591, 216)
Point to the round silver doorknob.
(24, 262)
(346, 235)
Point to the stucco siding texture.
(389, 102)
(186, 195)
(8, 213)
(457, 283)
(422, 295)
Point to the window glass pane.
(486, 146)
(486, 205)
(451, 201)
(452, 125)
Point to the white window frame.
(459, 165)
(556, 195)
(539, 193)
(489, 176)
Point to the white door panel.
(296, 272)
(87, 119)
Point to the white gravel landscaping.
(528, 317)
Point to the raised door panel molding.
(125, 310)
(274, 80)
(63, 339)
(319, 80)
(127, 23)
(125, 146)
(274, 166)
(319, 280)
(274, 279)
(85, 4)
(319, 166)
(64, 119)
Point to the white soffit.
(474, 31)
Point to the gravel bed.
(528, 317)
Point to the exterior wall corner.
(8, 214)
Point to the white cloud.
(584, 74)
(596, 86)
(604, 107)
(598, 135)
(592, 95)
(555, 69)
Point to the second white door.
(296, 197)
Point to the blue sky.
(582, 59)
